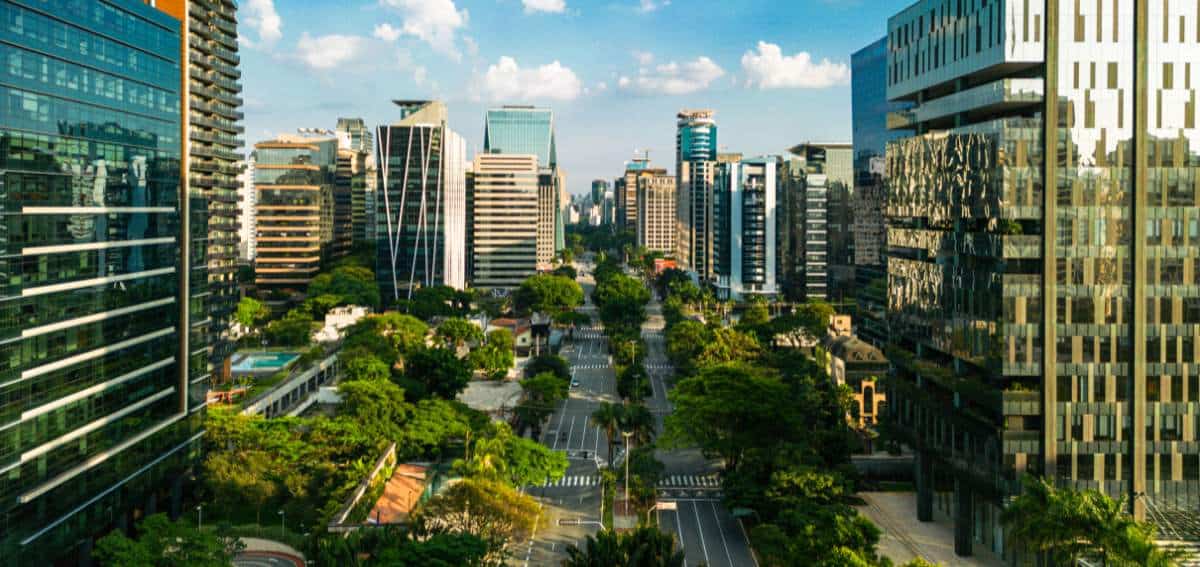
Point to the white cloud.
(771, 69)
(647, 6)
(673, 78)
(419, 75)
(551, 6)
(643, 57)
(328, 51)
(433, 21)
(262, 18)
(602, 86)
(386, 32)
(472, 47)
(507, 80)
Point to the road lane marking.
(703, 546)
(721, 531)
(583, 437)
(571, 432)
(679, 528)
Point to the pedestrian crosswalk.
(589, 366)
(696, 481)
(588, 334)
(575, 480)
(659, 366)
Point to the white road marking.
(721, 531)
(703, 546)
(679, 528)
(571, 432)
(583, 437)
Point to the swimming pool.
(262, 362)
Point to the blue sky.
(615, 71)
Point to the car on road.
(574, 383)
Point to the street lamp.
(199, 517)
(282, 523)
(628, 455)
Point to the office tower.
(529, 130)
(564, 203)
(505, 211)
(599, 188)
(1042, 242)
(744, 215)
(294, 178)
(214, 136)
(247, 209)
(626, 190)
(695, 161)
(805, 181)
(354, 135)
(656, 206)
(348, 198)
(105, 385)
(421, 203)
(869, 111)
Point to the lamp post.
(628, 455)
(199, 517)
(282, 523)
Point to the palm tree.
(608, 416)
(603, 550)
(643, 547)
(636, 418)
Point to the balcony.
(990, 98)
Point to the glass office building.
(421, 202)
(529, 130)
(101, 394)
(695, 163)
(1042, 248)
(294, 178)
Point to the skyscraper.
(354, 135)
(247, 212)
(294, 177)
(1041, 251)
(214, 128)
(656, 211)
(695, 162)
(348, 198)
(626, 190)
(744, 213)
(105, 386)
(529, 130)
(869, 111)
(421, 204)
(504, 225)
(804, 184)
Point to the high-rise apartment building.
(354, 135)
(294, 179)
(247, 212)
(348, 191)
(695, 163)
(214, 136)
(1042, 248)
(869, 111)
(529, 130)
(656, 211)
(504, 224)
(745, 248)
(105, 281)
(421, 203)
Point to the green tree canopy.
(163, 543)
(490, 510)
(407, 333)
(294, 329)
(646, 546)
(355, 285)
(496, 355)
(439, 370)
(364, 366)
(251, 312)
(456, 332)
(547, 293)
(551, 363)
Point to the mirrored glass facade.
(99, 416)
(1041, 255)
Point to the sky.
(615, 72)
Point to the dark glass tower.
(102, 394)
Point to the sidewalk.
(904, 538)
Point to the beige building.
(505, 220)
(656, 211)
(547, 210)
(293, 179)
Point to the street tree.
(406, 333)
(488, 509)
(608, 417)
(547, 293)
(646, 546)
(552, 363)
(639, 422)
(496, 355)
(354, 285)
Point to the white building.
(247, 205)
(745, 239)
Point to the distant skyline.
(615, 72)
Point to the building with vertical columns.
(106, 274)
(745, 240)
(656, 211)
(294, 177)
(421, 202)
(504, 225)
(804, 233)
(547, 215)
(1041, 251)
